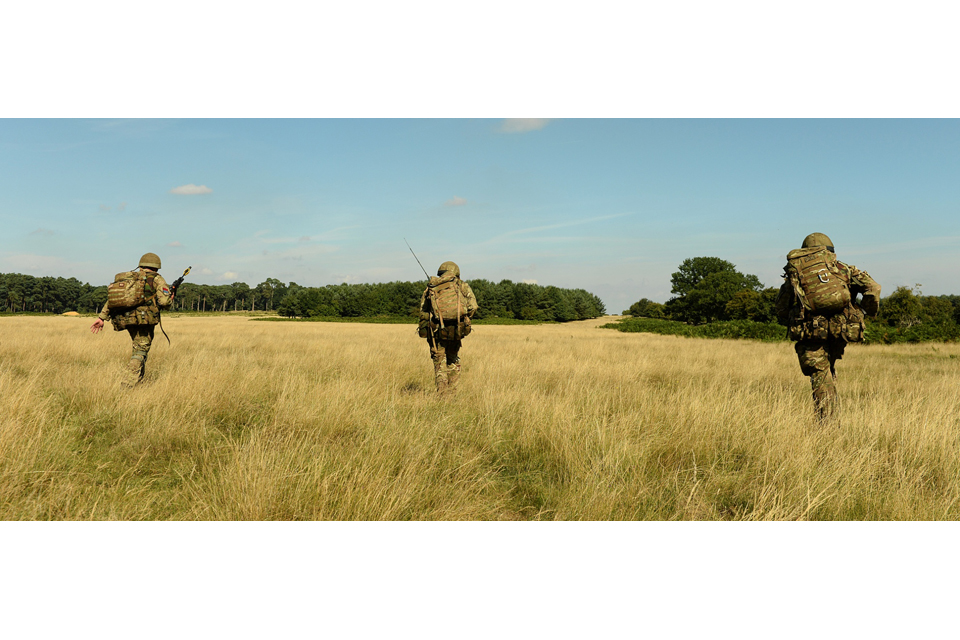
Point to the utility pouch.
(423, 329)
(853, 325)
(819, 328)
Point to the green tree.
(645, 308)
(704, 286)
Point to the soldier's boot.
(133, 373)
(453, 376)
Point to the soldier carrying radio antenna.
(446, 306)
(134, 301)
(818, 304)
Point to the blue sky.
(609, 205)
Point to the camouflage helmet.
(449, 267)
(150, 260)
(818, 240)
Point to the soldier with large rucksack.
(446, 306)
(134, 301)
(818, 304)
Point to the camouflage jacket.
(148, 314)
(848, 324)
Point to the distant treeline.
(713, 296)
(506, 299)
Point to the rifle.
(173, 289)
(179, 281)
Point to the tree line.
(506, 299)
(711, 290)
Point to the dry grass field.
(248, 420)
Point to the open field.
(269, 420)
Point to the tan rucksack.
(446, 300)
(129, 289)
(821, 285)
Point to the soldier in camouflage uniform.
(140, 321)
(445, 341)
(821, 339)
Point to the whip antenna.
(417, 259)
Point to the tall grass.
(261, 420)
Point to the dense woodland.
(710, 290)
(506, 299)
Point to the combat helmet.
(818, 240)
(150, 260)
(449, 267)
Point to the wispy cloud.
(227, 275)
(43, 232)
(121, 206)
(455, 201)
(529, 281)
(175, 243)
(104, 207)
(191, 190)
(522, 125)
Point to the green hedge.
(735, 329)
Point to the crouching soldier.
(446, 307)
(134, 301)
(818, 304)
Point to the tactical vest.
(131, 299)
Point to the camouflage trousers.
(142, 336)
(446, 364)
(818, 359)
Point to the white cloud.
(43, 232)
(191, 190)
(529, 281)
(228, 275)
(456, 201)
(522, 125)
(205, 271)
(175, 243)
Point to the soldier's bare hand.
(96, 326)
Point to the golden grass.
(265, 420)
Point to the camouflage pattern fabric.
(446, 364)
(818, 360)
(821, 339)
(818, 280)
(142, 337)
(147, 314)
(140, 323)
(467, 299)
(445, 343)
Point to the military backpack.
(821, 285)
(446, 300)
(448, 315)
(131, 299)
